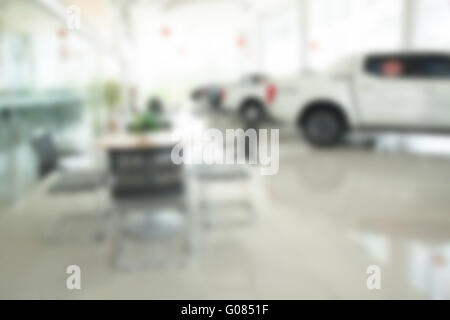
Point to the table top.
(129, 141)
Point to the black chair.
(47, 154)
(69, 181)
(229, 176)
(149, 199)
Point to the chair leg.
(102, 219)
(103, 215)
(118, 242)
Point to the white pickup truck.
(387, 90)
(249, 97)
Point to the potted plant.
(111, 95)
(145, 122)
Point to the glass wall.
(45, 73)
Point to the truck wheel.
(252, 112)
(323, 127)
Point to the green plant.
(111, 94)
(144, 122)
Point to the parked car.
(374, 91)
(211, 94)
(250, 97)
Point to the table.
(129, 141)
(146, 181)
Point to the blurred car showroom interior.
(352, 98)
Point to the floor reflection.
(321, 221)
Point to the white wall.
(281, 43)
(340, 28)
(432, 27)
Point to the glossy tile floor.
(322, 220)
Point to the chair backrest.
(46, 153)
(145, 172)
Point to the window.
(254, 79)
(409, 65)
